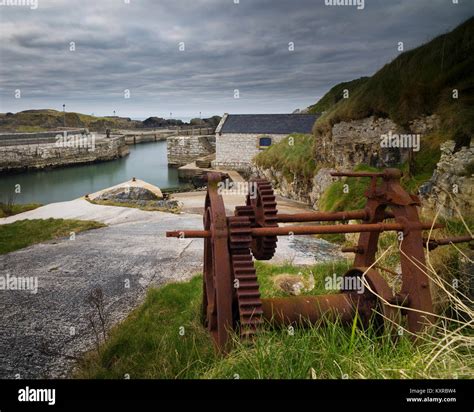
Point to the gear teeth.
(246, 211)
(247, 292)
(264, 248)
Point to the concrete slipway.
(42, 334)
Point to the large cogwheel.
(247, 307)
(261, 209)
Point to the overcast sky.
(136, 45)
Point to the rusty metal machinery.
(231, 296)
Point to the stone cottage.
(239, 137)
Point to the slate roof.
(269, 123)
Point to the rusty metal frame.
(217, 286)
(231, 297)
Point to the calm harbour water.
(147, 161)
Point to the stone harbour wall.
(186, 149)
(141, 137)
(45, 155)
(10, 139)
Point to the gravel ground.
(42, 334)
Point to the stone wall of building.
(186, 149)
(39, 156)
(235, 151)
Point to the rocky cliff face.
(294, 188)
(348, 144)
(451, 188)
(302, 191)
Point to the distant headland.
(29, 121)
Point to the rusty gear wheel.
(261, 209)
(217, 313)
(247, 304)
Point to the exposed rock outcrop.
(451, 188)
(136, 193)
(128, 194)
(295, 188)
(348, 144)
(321, 181)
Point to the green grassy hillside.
(335, 94)
(418, 82)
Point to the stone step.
(205, 161)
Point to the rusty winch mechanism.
(231, 297)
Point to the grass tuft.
(10, 209)
(23, 233)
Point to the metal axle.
(311, 230)
(327, 216)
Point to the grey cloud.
(228, 46)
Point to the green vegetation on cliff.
(346, 193)
(293, 156)
(335, 94)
